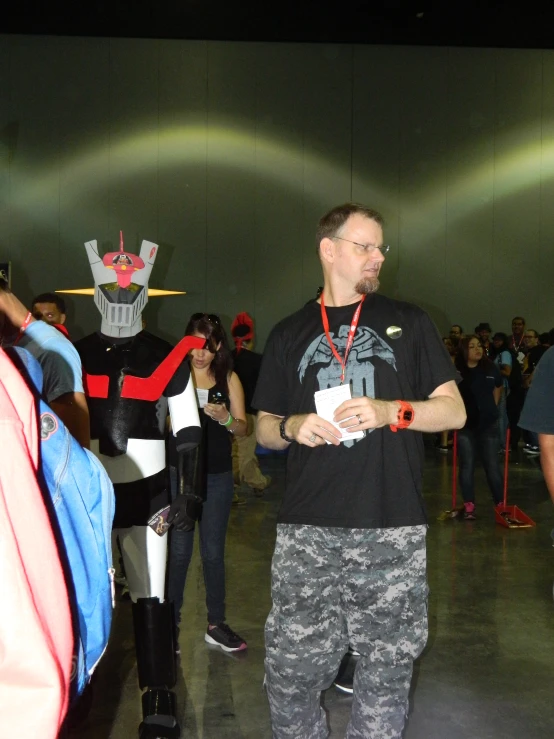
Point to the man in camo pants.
(349, 563)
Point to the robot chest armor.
(132, 386)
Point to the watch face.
(408, 415)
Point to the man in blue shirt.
(60, 363)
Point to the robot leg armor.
(158, 711)
(154, 640)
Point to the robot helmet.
(121, 301)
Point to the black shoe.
(223, 636)
(344, 680)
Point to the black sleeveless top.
(218, 441)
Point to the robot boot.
(154, 643)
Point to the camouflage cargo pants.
(332, 587)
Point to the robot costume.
(132, 380)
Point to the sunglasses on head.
(211, 317)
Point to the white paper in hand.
(202, 396)
(327, 401)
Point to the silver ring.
(359, 419)
(313, 437)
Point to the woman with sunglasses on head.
(480, 388)
(222, 413)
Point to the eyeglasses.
(211, 317)
(366, 248)
(526, 336)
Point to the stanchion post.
(506, 465)
(454, 469)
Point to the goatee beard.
(367, 286)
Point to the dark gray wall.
(226, 154)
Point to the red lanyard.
(349, 340)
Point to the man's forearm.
(13, 309)
(267, 432)
(438, 414)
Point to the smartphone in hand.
(217, 397)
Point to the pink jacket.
(36, 637)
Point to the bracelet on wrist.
(26, 322)
(232, 430)
(228, 422)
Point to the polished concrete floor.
(488, 669)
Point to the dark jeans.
(483, 443)
(213, 529)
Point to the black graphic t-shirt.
(371, 482)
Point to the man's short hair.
(50, 298)
(457, 325)
(331, 223)
(519, 318)
(536, 336)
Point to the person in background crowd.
(247, 365)
(534, 352)
(49, 307)
(516, 341)
(481, 390)
(503, 358)
(456, 333)
(483, 331)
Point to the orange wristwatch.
(406, 415)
